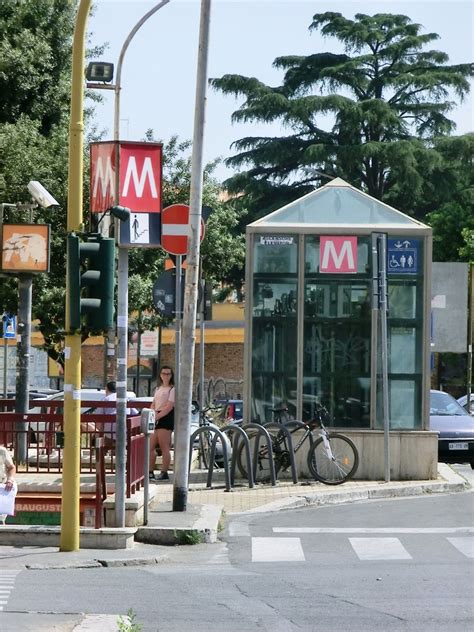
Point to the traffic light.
(91, 275)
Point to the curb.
(457, 484)
(203, 530)
(133, 561)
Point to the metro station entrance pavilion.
(313, 323)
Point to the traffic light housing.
(91, 276)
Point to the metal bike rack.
(232, 429)
(287, 433)
(261, 431)
(211, 428)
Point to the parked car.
(87, 395)
(42, 405)
(463, 401)
(232, 410)
(455, 429)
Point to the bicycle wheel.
(341, 467)
(263, 464)
(205, 449)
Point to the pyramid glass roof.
(337, 203)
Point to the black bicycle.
(332, 457)
(207, 418)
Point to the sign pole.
(202, 312)
(177, 345)
(5, 358)
(181, 478)
(382, 248)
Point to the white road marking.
(7, 582)
(277, 550)
(379, 549)
(464, 545)
(373, 530)
(239, 529)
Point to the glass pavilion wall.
(313, 330)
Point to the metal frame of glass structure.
(312, 330)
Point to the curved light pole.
(122, 302)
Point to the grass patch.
(192, 536)
(130, 624)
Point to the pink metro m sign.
(337, 254)
(138, 167)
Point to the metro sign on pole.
(174, 229)
(140, 183)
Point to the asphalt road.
(404, 564)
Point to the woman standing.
(7, 473)
(163, 405)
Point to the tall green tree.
(448, 199)
(368, 115)
(35, 76)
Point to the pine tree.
(386, 97)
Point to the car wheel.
(472, 465)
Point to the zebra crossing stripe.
(277, 550)
(7, 581)
(373, 530)
(464, 545)
(379, 549)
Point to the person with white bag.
(7, 473)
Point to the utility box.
(313, 323)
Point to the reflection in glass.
(402, 299)
(274, 344)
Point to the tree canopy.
(369, 115)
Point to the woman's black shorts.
(166, 422)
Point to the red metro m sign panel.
(140, 177)
(140, 183)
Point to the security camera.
(41, 195)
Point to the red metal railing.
(136, 446)
(43, 435)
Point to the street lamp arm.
(118, 78)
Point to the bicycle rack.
(232, 429)
(211, 428)
(287, 433)
(261, 431)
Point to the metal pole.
(25, 284)
(470, 336)
(5, 365)
(180, 485)
(146, 481)
(122, 305)
(201, 344)
(382, 242)
(177, 325)
(69, 540)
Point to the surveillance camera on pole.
(40, 195)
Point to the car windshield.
(444, 404)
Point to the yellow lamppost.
(69, 540)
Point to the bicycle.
(206, 438)
(332, 457)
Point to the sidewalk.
(206, 511)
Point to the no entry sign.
(174, 229)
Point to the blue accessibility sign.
(9, 326)
(402, 256)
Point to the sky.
(159, 67)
